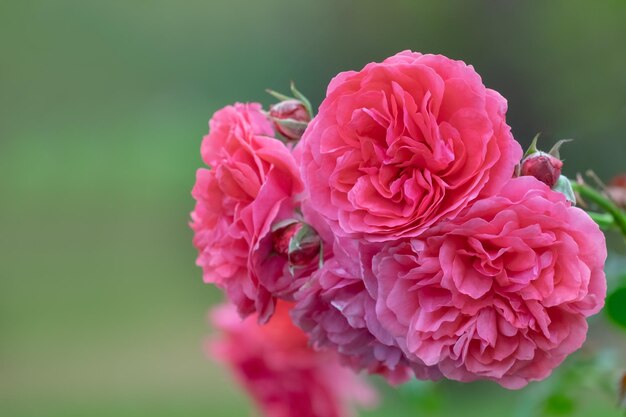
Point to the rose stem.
(588, 193)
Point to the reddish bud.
(617, 190)
(282, 236)
(545, 167)
(619, 181)
(290, 118)
(298, 242)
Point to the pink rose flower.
(252, 184)
(338, 313)
(501, 292)
(403, 144)
(282, 374)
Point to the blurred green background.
(102, 108)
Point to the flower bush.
(398, 232)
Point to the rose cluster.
(401, 227)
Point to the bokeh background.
(102, 108)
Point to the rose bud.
(290, 118)
(617, 190)
(545, 167)
(296, 241)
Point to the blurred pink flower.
(252, 184)
(501, 292)
(338, 313)
(403, 144)
(282, 374)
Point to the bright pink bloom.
(338, 313)
(403, 144)
(252, 184)
(282, 374)
(501, 292)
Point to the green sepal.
(291, 124)
(283, 223)
(564, 186)
(305, 101)
(304, 235)
(555, 149)
(278, 95)
(533, 146)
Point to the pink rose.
(403, 144)
(338, 313)
(252, 184)
(501, 292)
(282, 374)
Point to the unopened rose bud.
(617, 190)
(619, 181)
(543, 166)
(290, 118)
(298, 242)
(282, 236)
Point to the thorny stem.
(589, 194)
(604, 220)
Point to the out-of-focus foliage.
(616, 299)
(102, 109)
(616, 306)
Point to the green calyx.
(297, 95)
(564, 186)
(305, 237)
(555, 151)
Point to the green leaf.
(560, 404)
(616, 306)
(424, 395)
